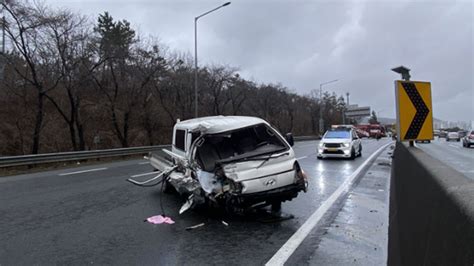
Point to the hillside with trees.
(69, 81)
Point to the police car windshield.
(337, 134)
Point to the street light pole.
(196, 57)
(321, 120)
(195, 70)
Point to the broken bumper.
(275, 195)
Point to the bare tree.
(25, 29)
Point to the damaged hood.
(246, 170)
(218, 124)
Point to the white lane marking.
(284, 253)
(145, 174)
(452, 145)
(84, 171)
(144, 163)
(314, 144)
(300, 158)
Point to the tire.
(276, 206)
(353, 155)
(360, 151)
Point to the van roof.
(218, 124)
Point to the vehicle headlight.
(321, 144)
(346, 144)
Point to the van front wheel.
(276, 206)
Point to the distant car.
(453, 136)
(468, 140)
(443, 134)
(436, 132)
(340, 142)
(462, 133)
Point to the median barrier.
(431, 211)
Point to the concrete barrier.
(431, 211)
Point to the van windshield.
(242, 143)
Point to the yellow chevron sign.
(414, 110)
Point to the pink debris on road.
(158, 219)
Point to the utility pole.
(321, 120)
(345, 108)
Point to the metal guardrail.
(9, 161)
(304, 138)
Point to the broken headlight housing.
(235, 187)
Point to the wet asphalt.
(98, 218)
(451, 153)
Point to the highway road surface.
(90, 215)
(451, 153)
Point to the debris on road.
(189, 202)
(195, 226)
(159, 219)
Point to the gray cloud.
(304, 43)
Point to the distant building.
(356, 113)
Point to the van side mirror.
(289, 139)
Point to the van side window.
(179, 139)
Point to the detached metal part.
(162, 175)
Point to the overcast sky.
(304, 43)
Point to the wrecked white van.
(235, 162)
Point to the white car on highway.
(453, 136)
(341, 142)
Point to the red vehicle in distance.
(373, 130)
